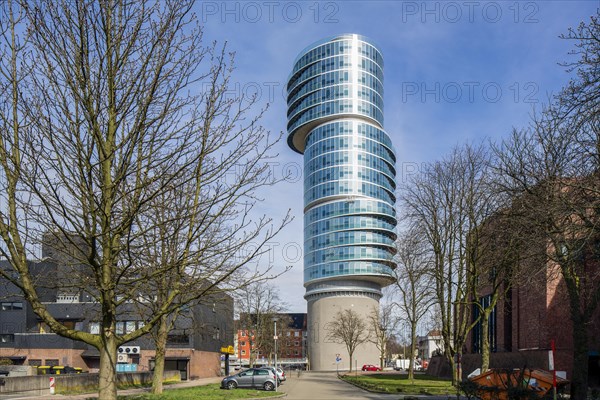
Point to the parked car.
(280, 374)
(405, 364)
(250, 378)
(370, 367)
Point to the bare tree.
(196, 250)
(450, 200)
(382, 323)
(414, 284)
(98, 123)
(349, 328)
(258, 304)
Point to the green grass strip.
(207, 392)
(399, 383)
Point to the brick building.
(534, 310)
(291, 342)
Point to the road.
(326, 386)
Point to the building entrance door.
(178, 364)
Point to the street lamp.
(275, 319)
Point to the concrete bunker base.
(322, 351)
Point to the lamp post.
(275, 319)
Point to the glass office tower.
(335, 118)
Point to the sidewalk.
(185, 384)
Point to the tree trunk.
(449, 354)
(350, 358)
(107, 389)
(413, 347)
(485, 340)
(159, 358)
(579, 381)
(382, 353)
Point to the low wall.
(36, 385)
(18, 370)
(39, 385)
(89, 382)
(517, 359)
(439, 366)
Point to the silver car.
(250, 378)
(280, 374)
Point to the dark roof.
(91, 353)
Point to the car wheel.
(268, 386)
(231, 385)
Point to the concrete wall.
(18, 370)
(89, 382)
(322, 351)
(25, 385)
(39, 385)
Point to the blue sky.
(455, 71)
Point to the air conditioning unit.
(129, 350)
(122, 358)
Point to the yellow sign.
(228, 350)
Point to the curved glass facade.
(335, 118)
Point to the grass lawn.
(208, 392)
(399, 383)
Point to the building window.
(124, 327)
(484, 302)
(7, 338)
(67, 298)
(297, 334)
(35, 362)
(70, 324)
(95, 328)
(11, 306)
(296, 344)
(51, 362)
(129, 326)
(296, 353)
(242, 343)
(243, 352)
(243, 333)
